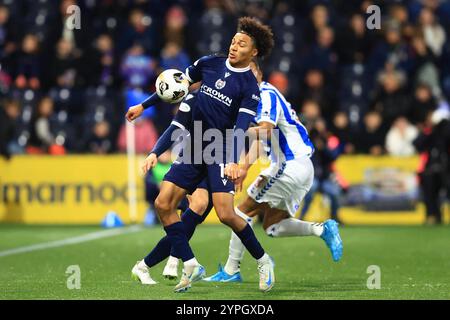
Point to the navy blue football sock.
(249, 240)
(177, 236)
(159, 253)
(190, 220)
(163, 249)
(208, 210)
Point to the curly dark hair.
(261, 34)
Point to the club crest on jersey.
(220, 84)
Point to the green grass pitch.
(414, 264)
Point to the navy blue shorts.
(193, 176)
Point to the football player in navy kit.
(227, 99)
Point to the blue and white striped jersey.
(293, 140)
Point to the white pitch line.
(73, 240)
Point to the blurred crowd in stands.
(373, 91)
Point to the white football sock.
(292, 227)
(142, 264)
(236, 248)
(172, 260)
(190, 265)
(263, 259)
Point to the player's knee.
(226, 219)
(162, 205)
(199, 206)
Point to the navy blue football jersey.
(225, 91)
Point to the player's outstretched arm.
(136, 111)
(162, 145)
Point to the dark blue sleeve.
(242, 123)
(151, 101)
(246, 115)
(181, 120)
(165, 141)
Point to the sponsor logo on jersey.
(216, 95)
(255, 97)
(227, 74)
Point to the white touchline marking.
(73, 240)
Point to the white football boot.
(140, 272)
(266, 275)
(198, 273)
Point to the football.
(172, 86)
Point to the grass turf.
(414, 263)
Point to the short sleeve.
(250, 100)
(194, 71)
(268, 110)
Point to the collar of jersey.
(227, 63)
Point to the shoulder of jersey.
(210, 59)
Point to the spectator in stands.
(103, 60)
(145, 136)
(434, 142)
(318, 19)
(354, 41)
(28, 70)
(9, 113)
(173, 57)
(322, 54)
(311, 113)
(433, 32)
(100, 141)
(315, 88)
(422, 104)
(8, 39)
(400, 137)
(371, 138)
(325, 181)
(176, 22)
(65, 30)
(141, 30)
(425, 61)
(341, 129)
(65, 67)
(42, 139)
(138, 68)
(393, 50)
(391, 101)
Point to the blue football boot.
(222, 276)
(332, 238)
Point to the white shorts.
(286, 184)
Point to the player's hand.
(134, 112)
(149, 163)
(238, 183)
(232, 171)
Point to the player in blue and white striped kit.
(279, 189)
